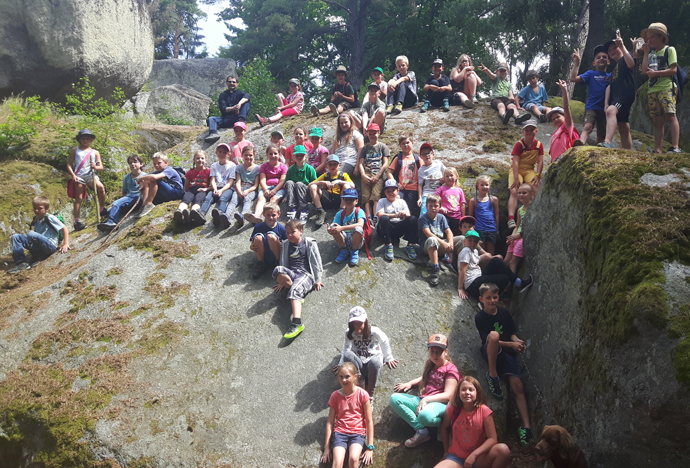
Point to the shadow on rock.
(310, 433)
(314, 395)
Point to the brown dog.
(557, 445)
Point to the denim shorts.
(280, 194)
(456, 459)
(345, 440)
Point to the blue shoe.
(390, 254)
(425, 107)
(342, 255)
(446, 105)
(411, 252)
(354, 258)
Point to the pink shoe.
(262, 120)
(418, 438)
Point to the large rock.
(178, 105)
(46, 46)
(205, 75)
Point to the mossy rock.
(577, 108)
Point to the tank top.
(484, 214)
(522, 212)
(78, 158)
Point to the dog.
(557, 445)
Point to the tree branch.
(330, 2)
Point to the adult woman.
(464, 82)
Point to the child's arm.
(514, 98)
(566, 103)
(317, 267)
(420, 189)
(70, 163)
(254, 187)
(350, 227)
(574, 77)
(518, 345)
(321, 167)
(629, 60)
(214, 186)
(383, 170)
(186, 183)
(449, 241)
(445, 432)
(65, 242)
(488, 72)
(238, 187)
(391, 168)
(540, 167)
(606, 97)
(462, 274)
(227, 186)
(262, 182)
(292, 104)
(470, 208)
(368, 455)
(326, 457)
(449, 388)
(280, 183)
(516, 165)
(494, 202)
(96, 164)
(406, 386)
(491, 440)
(360, 166)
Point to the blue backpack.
(680, 79)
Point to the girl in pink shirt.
(292, 105)
(453, 203)
(350, 422)
(566, 135)
(471, 424)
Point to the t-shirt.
(411, 84)
(468, 432)
(198, 178)
(314, 157)
(471, 257)
(237, 148)
(561, 140)
(452, 199)
(247, 176)
(85, 168)
(49, 227)
(384, 87)
(345, 88)
(398, 206)
(326, 176)
(443, 80)
(502, 323)
(348, 219)
(349, 411)
(437, 226)
(273, 173)
(223, 172)
(597, 82)
(229, 98)
(289, 161)
(373, 157)
(663, 83)
(263, 228)
(529, 96)
(130, 186)
(500, 87)
(297, 257)
(348, 152)
(172, 177)
(623, 86)
(298, 96)
(529, 155)
(371, 109)
(408, 175)
(305, 175)
(431, 177)
(437, 379)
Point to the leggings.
(406, 406)
(369, 371)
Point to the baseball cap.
(224, 145)
(555, 110)
(377, 69)
(438, 340)
(357, 314)
(390, 183)
(295, 81)
(374, 126)
(316, 131)
(598, 49)
(279, 133)
(467, 218)
(341, 68)
(240, 124)
(502, 65)
(350, 193)
(426, 145)
(438, 61)
(530, 123)
(299, 149)
(374, 85)
(472, 233)
(333, 158)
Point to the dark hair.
(531, 73)
(294, 224)
(135, 157)
(365, 334)
(232, 76)
(428, 367)
(488, 287)
(481, 396)
(272, 146)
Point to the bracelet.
(370, 447)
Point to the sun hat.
(656, 28)
(341, 69)
(316, 131)
(472, 233)
(84, 132)
(299, 149)
(350, 193)
(437, 340)
(357, 314)
(555, 110)
(390, 183)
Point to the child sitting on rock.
(566, 135)
(318, 154)
(272, 175)
(246, 191)
(527, 153)
(300, 140)
(292, 105)
(325, 191)
(395, 221)
(240, 142)
(453, 202)
(438, 239)
(430, 176)
(43, 240)
(437, 88)
(347, 228)
(533, 96)
(484, 207)
(223, 173)
(299, 176)
(343, 96)
(299, 271)
(265, 240)
(373, 162)
(504, 101)
(402, 88)
(515, 253)
(372, 111)
(161, 186)
(131, 195)
(197, 182)
(404, 168)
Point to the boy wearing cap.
(373, 162)
(326, 189)
(317, 155)
(395, 221)
(377, 75)
(164, 184)
(299, 176)
(620, 94)
(277, 138)
(429, 175)
(402, 88)
(504, 101)
(597, 81)
(534, 96)
(238, 144)
(566, 135)
(234, 107)
(343, 96)
(661, 86)
(437, 88)
(527, 153)
(500, 347)
(372, 111)
(347, 228)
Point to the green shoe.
(494, 386)
(524, 435)
(389, 109)
(293, 331)
(397, 109)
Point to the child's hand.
(577, 56)
(419, 202)
(277, 288)
(326, 457)
(536, 182)
(336, 368)
(65, 247)
(332, 229)
(318, 286)
(392, 364)
(562, 84)
(481, 67)
(619, 41)
(645, 47)
(367, 457)
(402, 387)
(516, 185)
(469, 461)
(421, 405)
(462, 293)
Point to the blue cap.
(349, 193)
(333, 157)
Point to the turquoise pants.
(406, 406)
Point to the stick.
(118, 224)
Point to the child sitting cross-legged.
(347, 228)
(299, 176)
(326, 189)
(395, 221)
(196, 185)
(265, 240)
(534, 96)
(299, 271)
(439, 241)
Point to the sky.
(214, 30)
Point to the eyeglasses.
(231, 82)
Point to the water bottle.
(653, 64)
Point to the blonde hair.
(451, 170)
(340, 135)
(351, 368)
(479, 179)
(271, 206)
(202, 152)
(405, 136)
(460, 60)
(401, 58)
(41, 201)
(160, 155)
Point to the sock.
(511, 217)
(518, 282)
(76, 220)
(423, 431)
(297, 321)
(321, 209)
(435, 266)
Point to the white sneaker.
(146, 210)
(303, 216)
(418, 438)
(291, 214)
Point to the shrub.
(256, 79)
(21, 123)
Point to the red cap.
(426, 145)
(373, 126)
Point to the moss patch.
(161, 336)
(113, 272)
(493, 146)
(166, 294)
(85, 293)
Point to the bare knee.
(493, 336)
(517, 386)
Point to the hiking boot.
(397, 109)
(314, 111)
(185, 216)
(526, 284)
(294, 331)
(215, 214)
(522, 118)
(321, 218)
(506, 117)
(446, 105)
(106, 227)
(542, 118)
(390, 253)
(411, 252)
(146, 210)
(604, 144)
(511, 224)
(674, 149)
(425, 107)
(262, 120)
(196, 217)
(212, 137)
(524, 435)
(303, 216)
(434, 278)
(239, 220)
(21, 266)
(469, 104)
(354, 258)
(342, 255)
(177, 216)
(223, 221)
(333, 108)
(253, 219)
(291, 214)
(419, 437)
(259, 269)
(78, 226)
(494, 386)
(389, 109)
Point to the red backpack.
(367, 231)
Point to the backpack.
(680, 79)
(355, 104)
(182, 173)
(367, 231)
(398, 166)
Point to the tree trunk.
(579, 41)
(178, 37)
(357, 24)
(596, 30)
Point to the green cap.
(471, 233)
(316, 131)
(378, 69)
(299, 149)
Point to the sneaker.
(542, 118)
(524, 435)
(78, 226)
(419, 437)
(354, 258)
(212, 137)
(215, 214)
(389, 109)
(196, 217)
(604, 144)
(291, 214)
(474, 99)
(104, 212)
(469, 104)
(374, 221)
(321, 218)
(425, 107)
(294, 331)
(177, 216)
(314, 111)
(333, 108)
(262, 120)
(411, 252)
(434, 278)
(106, 227)
(506, 117)
(390, 253)
(446, 261)
(223, 221)
(526, 284)
(21, 266)
(522, 118)
(253, 219)
(185, 216)
(511, 224)
(397, 109)
(672, 149)
(259, 269)
(446, 105)
(342, 255)
(146, 210)
(239, 220)
(303, 216)
(494, 386)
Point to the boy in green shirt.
(504, 101)
(297, 181)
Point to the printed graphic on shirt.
(498, 328)
(408, 173)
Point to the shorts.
(371, 192)
(456, 459)
(498, 100)
(346, 105)
(434, 242)
(623, 105)
(280, 194)
(302, 282)
(516, 248)
(598, 118)
(348, 237)
(289, 112)
(529, 107)
(488, 236)
(86, 178)
(269, 258)
(329, 200)
(662, 102)
(506, 364)
(345, 440)
(524, 176)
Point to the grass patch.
(113, 272)
(161, 336)
(86, 293)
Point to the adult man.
(233, 105)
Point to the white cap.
(357, 314)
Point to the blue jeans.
(246, 203)
(222, 201)
(369, 371)
(403, 95)
(120, 208)
(436, 98)
(37, 244)
(214, 123)
(167, 192)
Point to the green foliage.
(176, 30)
(22, 122)
(256, 79)
(213, 110)
(84, 102)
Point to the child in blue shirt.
(265, 240)
(348, 228)
(597, 81)
(534, 96)
(130, 194)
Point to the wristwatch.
(370, 447)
